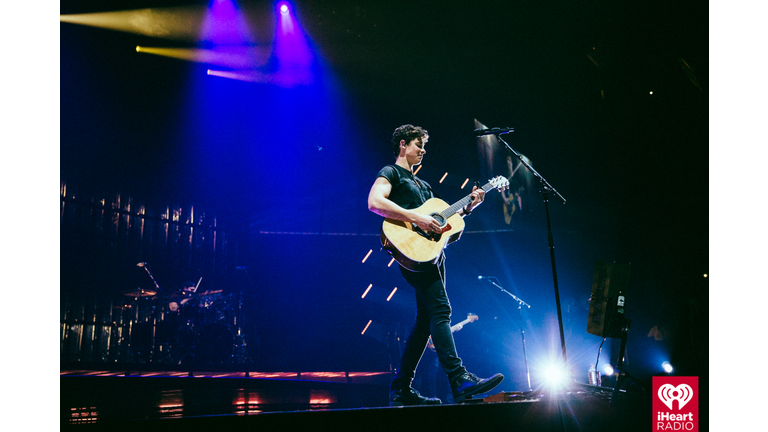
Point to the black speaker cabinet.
(606, 306)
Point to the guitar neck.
(455, 326)
(460, 204)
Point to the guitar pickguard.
(431, 235)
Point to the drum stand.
(189, 353)
(137, 295)
(134, 318)
(240, 351)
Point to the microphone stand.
(154, 314)
(520, 304)
(546, 188)
(146, 267)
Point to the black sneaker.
(410, 396)
(468, 384)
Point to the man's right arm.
(379, 203)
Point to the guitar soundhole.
(431, 235)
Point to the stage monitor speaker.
(606, 306)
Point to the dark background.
(573, 79)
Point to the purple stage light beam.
(291, 49)
(224, 25)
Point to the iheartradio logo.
(671, 416)
(669, 393)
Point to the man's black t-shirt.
(408, 191)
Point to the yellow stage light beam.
(232, 57)
(177, 23)
(181, 23)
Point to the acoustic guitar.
(416, 249)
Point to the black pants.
(433, 317)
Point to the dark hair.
(407, 133)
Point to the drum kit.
(183, 327)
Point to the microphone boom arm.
(518, 300)
(544, 183)
(146, 267)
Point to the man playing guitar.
(394, 194)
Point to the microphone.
(493, 131)
(142, 264)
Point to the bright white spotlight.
(608, 370)
(284, 9)
(667, 367)
(555, 375)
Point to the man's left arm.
(478, 195)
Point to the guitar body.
(412, 248)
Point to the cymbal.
(140, 293)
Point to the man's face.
(414, 150)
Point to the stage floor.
(148, 401)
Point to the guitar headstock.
(499, 183)
(472, 318)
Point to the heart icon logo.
(669, 393)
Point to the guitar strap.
(434, 194)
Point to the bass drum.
(215, 344)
